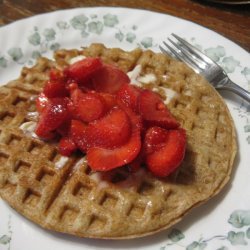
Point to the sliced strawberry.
(102, 159)
(154, 112)
(112, 130)
(56, 75)
(55, 89)
(64, 128)
(155, 138)
(165, 150)
(109, 79)
(137, 163)
(78, 134)
(128, 94)
(71, 86)
(67, 146)
(81, 71)
(88, 106)
(110, 100)
(135, 118)
(41, 102)
(52, 116)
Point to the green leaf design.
(147, 42)
(34, 39)
(79, 22)
(245, 71)
(110, 20)
(130, 37)
(134, 27)
(95, 27)
(3, 62)
(62, 25)
(36, 54)
(215, 53)
(236, 238)
(176, 235)
(192, 246)
(15, 53)
(196, 246)
(240, 218)
(49, 34)
(5, 239)
(229, 64)
(248, 233)
(248, 139)
(119, 36)
(84, 34)
(247, 128)
(55, 46)
(222, 248)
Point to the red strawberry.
(41, 102)
(56, 75)
(82, 70)
(53, 115)
(88, 106)
(109, 79)
(55, 89)
(112, 130)
(78, 134)
(128, 94)
(102, 159)
(155, 138)
(64, 128)
(135, 119)
(110, 100)
(165, 150)
(67, 146)
(136, 164)
(154, 112)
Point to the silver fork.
(203, 65)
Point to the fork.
(203, 65)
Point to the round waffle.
(64, 195)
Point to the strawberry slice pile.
(92, 107)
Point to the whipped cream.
(28, 128)
(169, 93)
(61, 162)
(76, 59)
(139, 80)
(97, 177)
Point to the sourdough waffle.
(64, 195)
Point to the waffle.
(63, 194)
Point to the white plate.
(223, 222)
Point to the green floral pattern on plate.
(43, 40)
(48, 39)
(231, 65)
(237, 219)
(5, 240)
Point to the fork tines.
(187, 53)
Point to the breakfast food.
(93, 107)
(63, 194)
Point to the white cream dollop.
(28, 128)
(76, 59)
(61, 162)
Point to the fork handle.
(237, 90)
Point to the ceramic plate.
(224, 221)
